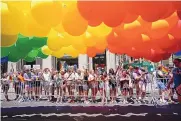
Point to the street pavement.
(49, 111)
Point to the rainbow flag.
(164, 69)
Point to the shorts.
(29, 84)
(94, 85)
(46, 85)
(141, 85)
(85, 86)
(37, 84)
(17, 87)
(101, 84)
(81, 88)
(5, 88)
(124, 85)
(161, 85)
(112, 86)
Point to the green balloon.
(29, 59)
(37, 42)
(5, 51)
(16, 52)
(41, 55)
(23, 43)
(33, 53)
(13, 58)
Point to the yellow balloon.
(158, 29)
(23, 6)
(54, 41)
(73, 23)
(59, 28)
(65, 7)
(58, 53)
(11, 21)
(79, 43)
(32, 28)
(66, 39)
(8, 40)
(72, 51)
(46, 50)
(101, 30)
(89, 40)
(82, 50)
(48, 13)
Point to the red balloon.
(113, 39)
(129, 18)
(149, 11)
(94, 23)
(176, 30)
(91, 51)
(179, 14)
(112, 12)
(177, 5)
(90, 10)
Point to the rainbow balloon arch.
(30, 29)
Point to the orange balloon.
(158, 29)
(113, 12)
(169, 11)
(91, 51)
(129, 18)
(167, 42)
(172, 20)
(134, 29)
(176, 30)
(73, 23)
(149, 10)
(113, 38)
(101, 43)
(89, 10)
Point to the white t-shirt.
(70, 76)
(47, 76)
(91, 77)
(79, 76)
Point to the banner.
(27, 66)
(4, 59)
(36, 66)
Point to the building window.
(99, 60)
(66, 61)
(29, 63)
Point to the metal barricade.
(35, 90)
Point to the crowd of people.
(74, 85)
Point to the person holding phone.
(176, 79)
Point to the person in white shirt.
(160, 84)
(29, 84)
(79, 81)
(5, 85)
(140, 83)
(47, 80)
(125, 81)
(70, 79)
(59, 82)
(94, 84)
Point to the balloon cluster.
(25, 48)
(148, 30)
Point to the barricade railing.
(81, 92)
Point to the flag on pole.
(164, 69)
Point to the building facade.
(105, 60)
